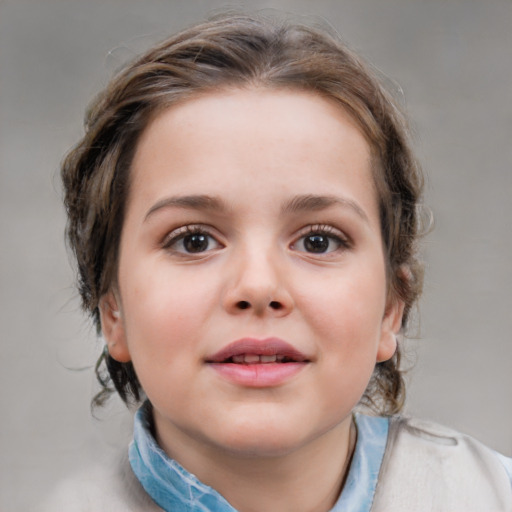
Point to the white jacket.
(426, 468)
(429, 468)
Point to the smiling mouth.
(258, 363)
(260, 359)
(251, 351)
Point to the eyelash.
(321, 230)
(180, 234)
(327, 231)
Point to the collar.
(172, 487)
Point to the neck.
(308, 479)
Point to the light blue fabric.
(359, 489)
(173, 488)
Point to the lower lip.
(258, 375)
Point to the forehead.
(233, 140)
(249, 108)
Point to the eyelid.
(179, 233)
(324, 229)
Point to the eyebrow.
(310, 202)
(192, 202)
(302, 203)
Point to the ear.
(112, 326)
(391, 324)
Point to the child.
(244, 212)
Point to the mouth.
(252, 351)
(260, 359)
(258, 363)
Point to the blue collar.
(173, 488)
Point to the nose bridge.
(257, 282)
(257, 269)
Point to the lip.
(258, 374)
(264, 347)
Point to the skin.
(254, 151)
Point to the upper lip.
(261, 347)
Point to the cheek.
(346, 312)
(164, 326)
(165, 310)
(348, 306)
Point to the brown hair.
(236, 51)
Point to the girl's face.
(251, 290)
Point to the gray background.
(453, 61)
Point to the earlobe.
(391, 324)
(112, 327)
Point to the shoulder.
(103, 488)
(442, 468)
(432, 436)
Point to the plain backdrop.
(450, 61)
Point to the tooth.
(238, 359)
(268, 359)
(279, 358)
(251, 358)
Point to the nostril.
(244, 304)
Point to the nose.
(258, 284)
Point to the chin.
(258, 438)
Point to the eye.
(191, 240)
(320, 240)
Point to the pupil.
(196, 243)
(316, 243)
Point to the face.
(251, 291)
